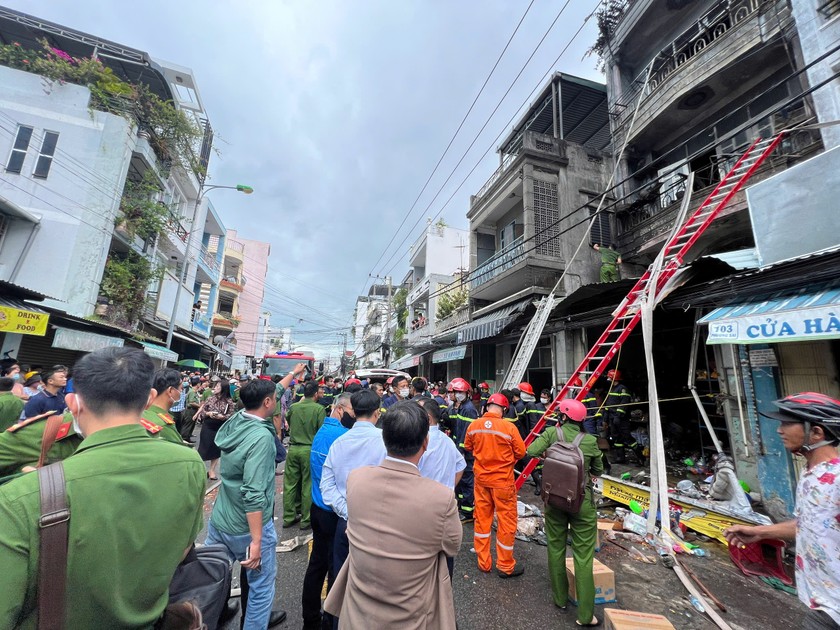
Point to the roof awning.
(22, 318)
(807, 314)
(158, 352)
(406, 362)
(455, 353)
(492, 324)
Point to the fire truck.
(284, 362)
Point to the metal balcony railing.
(829, 9)
(500, 262)
(461, 316)
(504, 166)
(235, 246)
(208, 259)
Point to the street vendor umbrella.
(193, 363)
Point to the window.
(45, 158)
(15, 164)
(600, 230)
(506, 235)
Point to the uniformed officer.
(20, 444)
(618, 417)
(192, 404)
(10, 405)
(123, 545)
(304, 419)
(484, 390)
(461, 414)
(156, 419)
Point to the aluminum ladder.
(628, 313)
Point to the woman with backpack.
(581, 457)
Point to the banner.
(23, 322)
(799, 325)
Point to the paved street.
(484, 601)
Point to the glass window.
(45, 157)
(15, 163)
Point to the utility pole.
(387, 352)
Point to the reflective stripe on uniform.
(477, 535)
(465, 508)
(503, 546)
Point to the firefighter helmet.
(459, 385)
(614, 375)
(526, 388)
(483, 385)
(499, 399)
(575, 382)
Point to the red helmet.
(389, 381)
(499, 399)
(459, 385)
(483, 385)
(526, 388)
(614, 375)
(573, 409)
(352, 381)
(575, 382)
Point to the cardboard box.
(630, 620)
(604, 582)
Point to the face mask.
(347, 421)
(390, 389)
(16, 376)
(404, 392)
(76, 426)
(460, 397)
(527, 398)
(544, 401)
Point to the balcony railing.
(714, 25)
(235, 246)
(500, 262)
(459, 317)
(209, 259)
(829, 9)
(232, 286)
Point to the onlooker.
(242, 518)
(401, 391)
(177, 408)
(497, 446)
(218, 408)
(418, 384)
(11, 369)
(810, 426)
(10, 405)
(583, 526)
(304, 419)
(442, 460)
(323, 518)
(32, 385)
(166, 385)
(193, 402)
(402, 528)
(360, 446)
(135, 507)
(51, 398)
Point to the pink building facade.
(254, 271)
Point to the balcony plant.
(608, 16)
(173, 134)
(450, 302)
(140, 213)
(125, 282)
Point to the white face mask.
(460, 397)
(544, 400)
(404, 392)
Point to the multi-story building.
(370, 329)
(250, 288)
(437, 257)
(98, 199)
(225, 311)
(526, 222)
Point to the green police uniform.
(155, 417)
(10, 409)
(20, 444)
(191, 406)
(136, 506)
(205, 395)
(609, 264)
(583, 526)
(304, 418)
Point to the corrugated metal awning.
(492, 324)
(806, 314)
(158, 352)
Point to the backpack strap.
(578, 439)
(54, 526)
(54, 423)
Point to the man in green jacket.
(243, 516)
(20, 444)
(583, 525)
(304, 419)
(157, 419)
(10, 405)
(135, 507)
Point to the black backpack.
(564, 475)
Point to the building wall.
(254, 270)
(443, 250)
(79, 199)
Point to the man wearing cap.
(810, 426)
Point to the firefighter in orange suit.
(496, 445)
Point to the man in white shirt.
(360, 446)
(442, 461)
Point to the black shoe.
(465, 518)
(276, 618)
(230, 611)
(305, 527)
(295, 520)
(517, 571)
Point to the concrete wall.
(817, 36)
(77, 202)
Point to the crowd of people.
(384, 475)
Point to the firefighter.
(484, 388)
(461, 414)
(583, 525)
(496, 446)
(531, 413)
(618, 420)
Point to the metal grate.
(546, 218)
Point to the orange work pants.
(502, 501)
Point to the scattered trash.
(697, 605)
(293, 543)
(635, 507)
(635, 523)
(687, 488)
(524, 509)
(635, 553)
(778, 584)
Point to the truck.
(282, 363)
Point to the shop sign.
(763, 358)
(84, 341)
(23, 322)
(450, 354)
(801, 325)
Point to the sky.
(336, 112)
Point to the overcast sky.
(336, 112)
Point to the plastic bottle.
(697, 604)
(635, 507)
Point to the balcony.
(225, 321)
(517, 267)
(231, 287)
(235, 250)
(421, 335)
(701, 67)
(208, 266)
(452, 321)
(420, 289)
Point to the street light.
(203, 190)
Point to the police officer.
(123, 545)
(304, 419)
(20, 444)
(617, 416)
(461, 414)
(583, 525)
(156, 419)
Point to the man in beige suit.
(401, 528)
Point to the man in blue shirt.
(360, 446)
(323, 519)
(51, 398)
